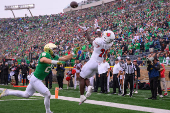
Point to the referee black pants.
(103, 78)
(128, 78)
(116, 83)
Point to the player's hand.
(83, 27)
(59, 63)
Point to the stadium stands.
(131, 20)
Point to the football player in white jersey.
(101, 46)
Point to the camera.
(149, 60)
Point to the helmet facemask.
(55, 51)
(108, 36)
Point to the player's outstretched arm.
(86, 33)
(48, 61)
(97, 27)
(65, 58)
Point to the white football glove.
(84, 28)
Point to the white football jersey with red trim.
(100, 49)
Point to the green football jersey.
(43, 69)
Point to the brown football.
(74, 4)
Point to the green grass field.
(36, 105)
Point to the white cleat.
(82, 99)
(89, 91)
(4, 93)
(136, 92)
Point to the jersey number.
(103, 54)
(47, 70)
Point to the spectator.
(5, 73)
(139, 62)
(151, 45)
(16, 71)
(24, 69)
(1, 67)
(157, 44)
(146, 46)
(162, 79)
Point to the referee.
(116, 77)
(129, 70)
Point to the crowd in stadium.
(140, 26)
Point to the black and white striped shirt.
(129, 68)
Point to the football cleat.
(4, 93)
(82, 99)
(89, 91)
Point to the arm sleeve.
(56, 57)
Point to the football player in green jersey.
(45, 62)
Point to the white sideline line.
(109, 104)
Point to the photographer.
(60, 75)
(153, 68)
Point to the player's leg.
(87, 71)
(41, 88)
(25, 94)
(75, 81)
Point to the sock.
(47, 96)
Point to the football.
(74, 4)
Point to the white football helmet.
(108, 36)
